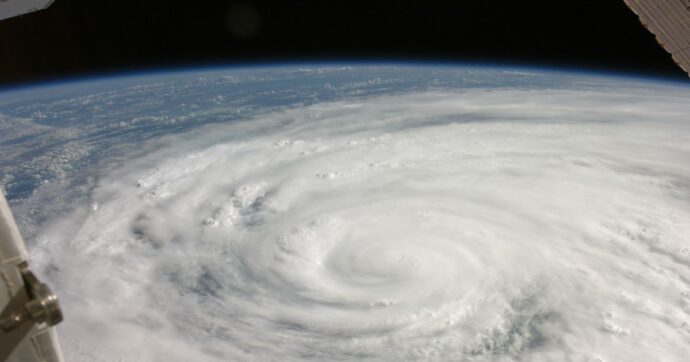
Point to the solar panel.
(669, 21)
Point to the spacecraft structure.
(12, 8)
(28, 308)
(669, 21)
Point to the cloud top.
(468, 224)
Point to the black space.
(76, 37)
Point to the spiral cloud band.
(467, 224)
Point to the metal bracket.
(32, 305)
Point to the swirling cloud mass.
(539, 223)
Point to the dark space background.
(86, 37)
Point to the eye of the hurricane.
(374, 265)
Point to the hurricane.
(464, 223)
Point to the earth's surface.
(358, 213)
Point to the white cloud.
(477, 224)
